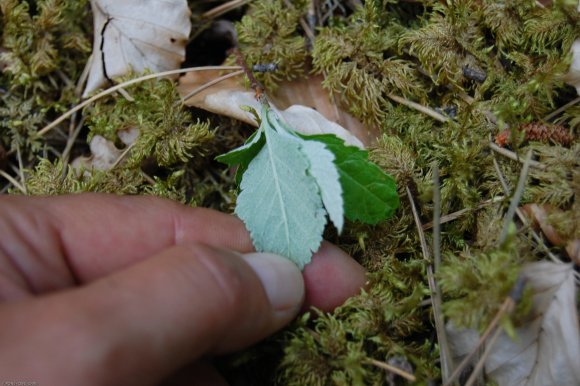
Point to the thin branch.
(455, 215)
(123, 155)
(126, 95)
(513, 156)
(21, 168)
(223, 8)
(209, 84)
(507, 307)
(13, 181)
(445, 352)
(479, 366)
(516, 198)
(307, 30)
(424, 109)
(501, 177)
(561, 109)
(392, 369)
(71, 140)
(436, 219)
(537, 238)
(111, 90)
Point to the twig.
(111, 90)
(516, 198)
(436, 219)
(309, 33)
(444, 353)
(126, 95)
(13, 181)
(123, 155)
(424, 109)
(83, 78)
(455, 215)
(71, 140)
(392, 369)
(422, 240)
(500, 176)
(537, 238)
(507, 307)
(513, 156)
(254, 83)
(223, 8)
(479, 366)
(209, 84)
(561, 109)
(148, 178)
(21, 168)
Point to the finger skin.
(331, 278)
(58, 242)
(138, 325)
(96, 234)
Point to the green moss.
(269, 33)
(386, 323)
(45, 46)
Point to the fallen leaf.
(573, 75)
(302, 104)
(545, 351)
(538, 215)
(104, 153)
(541, 216)
(136, 35)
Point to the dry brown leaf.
(538, 215)
(546, 351)
(303, 104)
(136, 35)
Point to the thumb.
(140, 324)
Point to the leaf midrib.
(278, 189)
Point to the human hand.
(99, 289)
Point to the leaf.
(545, 350)
(226, 98)
(279, 202)
(244, 154)
(322, 168)
(134, 36)
(324, 171)
(370, 195)
(573, 75)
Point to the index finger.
(97, 234)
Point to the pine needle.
(119, 86)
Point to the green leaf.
(246, 152)
(369, 194)
(280, 202)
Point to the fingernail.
(281, 280)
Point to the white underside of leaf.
(546, 351)
(279, 202)
(323, 169)
(136, 35)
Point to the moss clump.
(386, 323)
(270, 33)
(44, 47)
